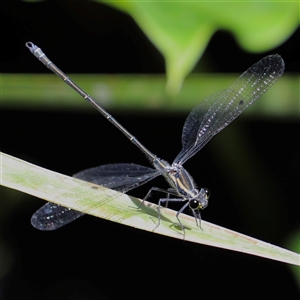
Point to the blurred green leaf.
(139, 93)
(181, 31)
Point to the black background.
(97, 259)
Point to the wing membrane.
(120, 177)
(219, 110)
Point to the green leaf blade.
(121, 208)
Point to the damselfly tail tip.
(31, 46)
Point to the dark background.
(97, 259)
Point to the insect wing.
(219, 110)
(120, 177)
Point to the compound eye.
(207, 192)
(194, 204)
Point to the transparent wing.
(219, 110)
(120, 177)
